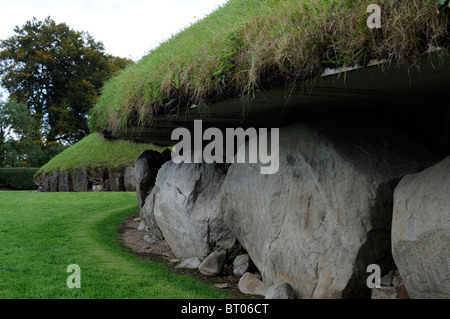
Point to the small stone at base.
(223, 286)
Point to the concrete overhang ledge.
(340, 92)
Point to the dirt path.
(132, 239)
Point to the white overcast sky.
(127, 28)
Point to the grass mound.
(94, 152)
(251, 45)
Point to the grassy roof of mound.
(251, 45)
(94, 152)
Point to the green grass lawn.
(41, 234)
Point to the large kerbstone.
(129, 179)
(45, 186)
(250, 284)
(53, 182)
(80, 182)
(326, 214)
(185, 205)
(116, 181)
(421, 231)
(213, 264)
(146, 169)
(64, 181)
(148, 216)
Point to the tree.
(19, 142)
(2, 133)
(58, 73)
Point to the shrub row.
(21, 178)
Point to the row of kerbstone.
(81, 180)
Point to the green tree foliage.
(2, 132)
(444, 2)
(58, 73)
(20, 143)
(21, 178)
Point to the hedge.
(21, 178)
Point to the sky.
(127, 28)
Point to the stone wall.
(81, 180)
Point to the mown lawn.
(41, 234)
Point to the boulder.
(146, 169)
(392, 279)
(386, 280)
(148, 216)
(421, 231)
(142, 226)
(241, 264)
(185, 207)
(116, 181)
(53, 182)
(45, 187)
(397, 280)
(384, 293)
(391, 287)
(326, 214)
(80, 182)
(64, 181)
(280, 291)
(167, 155)
(213, 264)
(106, 185)
(250, 284)
(129, 179)
(189, 263)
